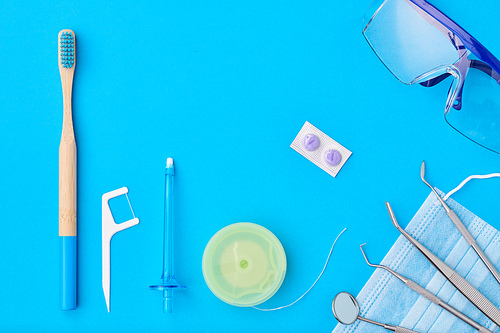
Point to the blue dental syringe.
(169, 283)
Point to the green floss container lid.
(244, 264)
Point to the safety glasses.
(420, 44)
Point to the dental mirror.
(345, 308)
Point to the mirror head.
(345, 308)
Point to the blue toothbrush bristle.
(67, 51)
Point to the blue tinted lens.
(407, 39)
(477, 116)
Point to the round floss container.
(244, 264)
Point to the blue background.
(223, 88)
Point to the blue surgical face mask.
(386, 299)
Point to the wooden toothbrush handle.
(67, 184)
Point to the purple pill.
(311, 142)
(332, 157)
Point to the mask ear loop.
(491, 175)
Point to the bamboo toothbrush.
(67, 178)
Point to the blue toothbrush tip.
(67, 48)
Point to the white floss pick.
(320, 149)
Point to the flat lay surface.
(223, 88)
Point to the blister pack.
(320, 149)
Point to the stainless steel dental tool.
(471, 293)
(430, 296)
(462, 228)
(345, 308)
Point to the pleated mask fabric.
(386, 299)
